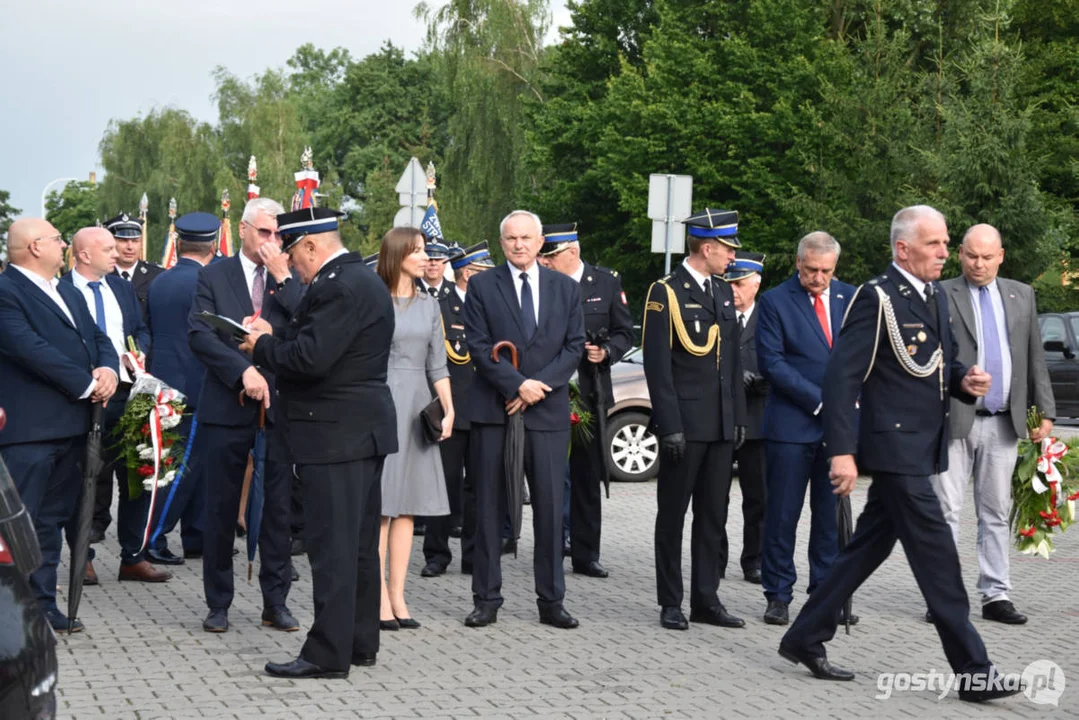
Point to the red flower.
(1074, 496)
(169, 442)
(146, 470)
(1029, 532)
(574, 418)
(168, 462)
(146, 429)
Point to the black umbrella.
(599, 412)
(256, 498)
(94, 462)
(513, 455)
(845, 526)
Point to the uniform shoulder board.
(612, 273)
(665, 278)
(879, 279)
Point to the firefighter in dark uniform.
(330, 366)
(694, 373)
(140, 273)
(608, 335)
(434, 281)
(455, 455)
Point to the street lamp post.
(45, 191)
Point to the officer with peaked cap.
(434, 281)
(331, 363)
(694, 375)
(744, 277)
(140, 273)
(456, 461)
(609, 334)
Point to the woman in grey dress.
(412, 479)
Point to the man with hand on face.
(998, 330)
(255, 280)
(338, 423)
(55, 361)
(539, 311)
(116, 311)
(608, 335)
(693, 368)
(140, 273)
(898, 358)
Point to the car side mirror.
(1060, 347)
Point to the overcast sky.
(72, 65)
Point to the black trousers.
(902, 507)
(750, 459)
(545, 468)
(342, 505)
(295, 516)
(703, 476)
(585, 509)
(455, 462)
(224, 452)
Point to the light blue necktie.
(994, 365)
(99, 306)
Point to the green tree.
(7, 215)
(72, 208)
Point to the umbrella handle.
(499, 347)
(262, 410)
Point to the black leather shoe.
(300, 668)
(408, 623)
(432, 569)
(929, 616)
(419, 529)
(591, 569)
(217, 621)
(193, 554)
(716, 615)
(980, 696)
(456, 531)
(558, 617)
(363, 659)
(279, 617)
(390, 625)
(819, 666)
(97, 536)
(466, 568)
(482, 616)
(673, 619)
(295, 575)
(753, 575)
(1004, 612)
(842, 618)
(509, 546)
(60, 623)
(776, 614)
(163, 557)
(297, 547)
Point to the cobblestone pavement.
(144, 654)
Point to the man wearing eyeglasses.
(54, 362)
(255, 281)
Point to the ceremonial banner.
(168, 258)
(224, 243)
(252, 176)
(307, 182)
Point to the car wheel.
(632, 451)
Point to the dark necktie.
(432, 291)
(528, 308)
(99, 306)
(742, 321)
(994, 363)
(931, 303)
(708, 287)
(258, 288)
(125, 275)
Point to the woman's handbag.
(431, 421)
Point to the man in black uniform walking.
(898, 358)
(330, 365)
(456, 463)
(694, 374)
(608, 335)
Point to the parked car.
(28, 668)
(632, 451)
(1060, 338)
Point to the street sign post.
(670, 201)
(412, 194)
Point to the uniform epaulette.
(612, 273)
(878, 279)
(665, 278)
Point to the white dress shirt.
(130, 271)
(743, 317)
(533, 282)
(1002, 333)
(114, 316)
(329, 260)
(460, 293)
(697, 276)
(917, 284)
(579, 272)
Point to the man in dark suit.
(901, 438)
(330, 363)
(456, 461)
(997, 330)
(694, 373)
(539, 311)
(55, 361)
(116, 311)
(744, 277)
(434, 281)
(173, 362)
(255, 279)
(140, 273)
(799, 321)
(608, 330)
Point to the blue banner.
(431, 227)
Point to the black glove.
(739, 436)
(673, 446)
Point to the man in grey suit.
(997, 329)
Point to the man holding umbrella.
(539, 312)
(608, 335)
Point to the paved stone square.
(144, 654)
